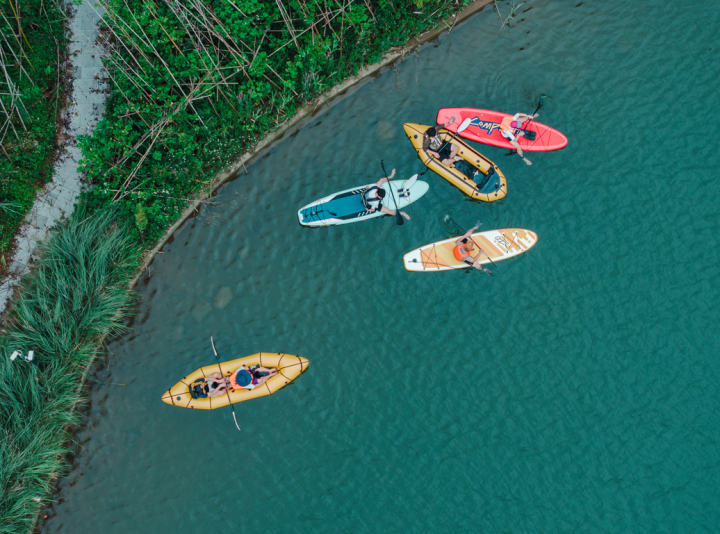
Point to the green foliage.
(28, 138)
(141, 220)
(186, 98)
(75, 298)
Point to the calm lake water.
(575, 391)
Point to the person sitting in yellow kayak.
(373, 196)
(250, 377)
(464, 246)
(210, 386)
(445, 151)
(507, 130)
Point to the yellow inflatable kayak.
(488, 185)
(289, 368)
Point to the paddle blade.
(410, 182)
(464, 125)
(399, 218)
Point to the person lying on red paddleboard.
(508, 131)
(445, 151)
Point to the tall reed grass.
(76, 297)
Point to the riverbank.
(93, 306)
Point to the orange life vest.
(233, 379)
(459, 255)
(506, 123)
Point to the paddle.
(226, 390)
(530, 136)
(398, 217)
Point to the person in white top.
(508, 131)
(374, 195)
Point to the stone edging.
(307, 112)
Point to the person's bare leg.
(519, 151)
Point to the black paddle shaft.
(398, 217)
(217, 358)
(532, 117)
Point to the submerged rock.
(223, 298)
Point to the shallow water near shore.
(574, 391)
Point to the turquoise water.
(575, 391)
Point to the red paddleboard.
(485, 128)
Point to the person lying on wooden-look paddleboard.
(508, 130)
(464, 246)
(445, 151)
(250, 377)
(373, 196)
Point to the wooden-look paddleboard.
(289, 367)
(484, 127)
(497, 244)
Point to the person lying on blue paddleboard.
(373, 196)
(508, 131)
(464, 246)
(250, 377)
(445, 151)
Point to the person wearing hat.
(250, 377)
(373, 196)
(464, 246)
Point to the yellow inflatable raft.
(492, 185)
(289, 368)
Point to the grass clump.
(76, 297)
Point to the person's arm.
(383, 179)
(433, 153)
(390, 212)
(448, 123)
